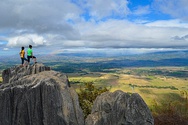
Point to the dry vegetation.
(1, 79)
(166, 96)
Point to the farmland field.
(155, 84)
(0, 79)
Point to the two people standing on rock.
(29, 55)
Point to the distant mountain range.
(145, 56)
(165, 58)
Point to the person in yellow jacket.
(30, 54)
(22, 55)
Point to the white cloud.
(40, 16)
(26, 40)
(176, 8)
(5, 49)
(169, 23)
(141, 10)
(125, 34)
(100, 8)
(118, 34)
(63, 24)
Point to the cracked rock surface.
(119, 108)
(37, 95)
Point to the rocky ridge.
(37, 95)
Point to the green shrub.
(87, 95)
(158, 87)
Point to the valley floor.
(158, 86)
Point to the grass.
(121, 80)
(1, 79)
(156, 89)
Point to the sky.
(132, 26)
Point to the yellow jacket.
(22, 54)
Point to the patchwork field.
(0, 79)
(155, 85)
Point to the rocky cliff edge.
(37, 95)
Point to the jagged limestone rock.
(119, 108)
(36, 95)
(14, 73)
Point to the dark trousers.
(23, 60)
(28, 58)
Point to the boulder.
(119, 108)
(37, 95)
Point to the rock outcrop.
(119, 108)
(36, 95)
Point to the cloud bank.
(63, 24)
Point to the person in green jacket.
(30, 54)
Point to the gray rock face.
(12, 74)
(37, 95)
(119, 108)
